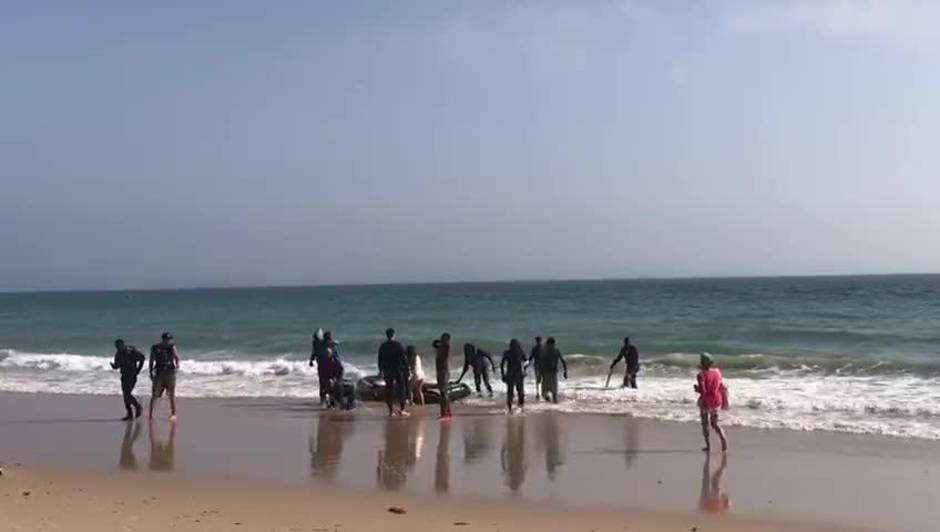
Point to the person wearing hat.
(164, 361)
(712, 396)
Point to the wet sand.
(610, 467)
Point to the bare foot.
(172, 418)
(404, 414)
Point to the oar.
(609, 373)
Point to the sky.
(242, 143)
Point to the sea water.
(859, 354)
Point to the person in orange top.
(712, 397)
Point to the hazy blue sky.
(152, 144)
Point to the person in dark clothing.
(442, 367)
(534, 357)
(393, 367)
(318, 355)
(339, 391)
(476, 358)
(631, 358)
(130, 361)
(548, 363)
(164, 361)
(512, 369)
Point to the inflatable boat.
(372, 388)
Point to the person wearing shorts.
(164, 361)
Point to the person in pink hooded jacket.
(713, 396)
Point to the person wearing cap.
(130, 361)
(712, 396)
(164, 361)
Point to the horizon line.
(445, 283)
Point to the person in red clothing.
(712, 393)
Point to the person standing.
(550, 357)
(318, 355)
(534, 357)
(130, 361)
(164, 361)
(631, 358)
(477, 358)
(712, 394)
(442, 367)
(511, 368)
(393, 367)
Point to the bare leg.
(153, 404)
(705, 434)
(719, 431)
(172, 406)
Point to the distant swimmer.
(477, 358)
(130, 361)
(631, 358)
(393, 367)
(164, 361)
(318, 355)
(534, 357)
(548, 363)
(512, 369)
(416, 386)
(442, 368)
(713, 395)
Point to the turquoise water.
(764, 331)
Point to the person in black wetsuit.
(631, 358)
(534, 357)
(393, 367)
(548, 363)
(511, 367)
(130, 361)
(318, 354)
(476, 358)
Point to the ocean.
(857, 354)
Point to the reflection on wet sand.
(402, 448)
(442, 463)
(512, 456)
(477, 440)
(631, 441)
(161, 453)
(549, 442)
(712, 500)
(131, 434)
(327, 449)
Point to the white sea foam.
(897, 405)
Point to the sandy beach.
(286, 465)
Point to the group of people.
(402, 370)
(164, 361)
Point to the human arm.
(150, 368)
(139, 360)
(502, 366)
(313, 352)
(487, 356)
(564, 365)
(115, 365)
(176, 358)
(621, 356)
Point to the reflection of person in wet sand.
(128, 460)
(442, 463)
(549, 442)
(712, 500)
(403, 440)
(161, 454)
(476, 440)
(326, 449)
(631, 440)
(512, 457)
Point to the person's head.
(166, 338)
(626, 341)
(390, 333)
(550, 342)
(705, 361)
(514, 345)
(328, 336)
(469, 349)
(538, 340)
(119, 344)
(445, 338)
(435, 344)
